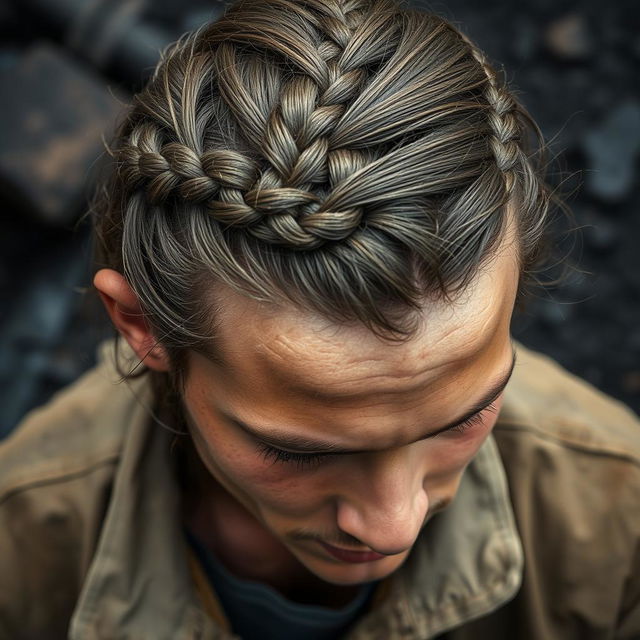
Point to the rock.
(553, 313)
(631, 381)
(569, 38)
(601, 234)
(594, 375)
(611, 149)
(526, 39)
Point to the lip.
(346, 555)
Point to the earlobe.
(125, 312)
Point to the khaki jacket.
(542, 541)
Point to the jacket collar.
(138, 584)
(467, 562)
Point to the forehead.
(301, 350)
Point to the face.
(350, 513)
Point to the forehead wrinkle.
(281, 356)
(362, 354)
(338, 377)
(285, 354)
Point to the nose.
(386, 505)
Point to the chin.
(351, 574)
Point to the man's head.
(318, 227)
(326, 433)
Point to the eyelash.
(302, 460)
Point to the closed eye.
(300, 459)
(305, 460)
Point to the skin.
(296, 373)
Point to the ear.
(126, 314)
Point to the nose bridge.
(386, 505)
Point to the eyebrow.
(304, 444)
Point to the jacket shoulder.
(549, 401)
(571, 455)
(81, 425)
(57, 470)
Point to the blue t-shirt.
(257, 611)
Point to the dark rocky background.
(67, 66)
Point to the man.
(326, 459)
(319, 219)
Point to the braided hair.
(352, 157)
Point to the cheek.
(241, 468)
(450, 454)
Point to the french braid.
(351, 156)
(278, 205)
(504, 141)
(174, 168)
(534, 196)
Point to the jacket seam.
(25, 485)
(571, 444)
